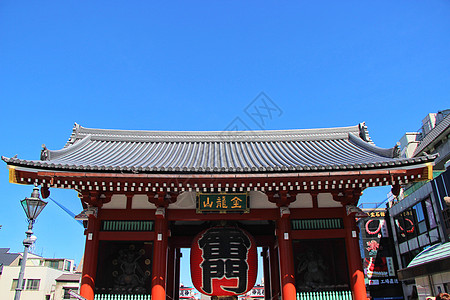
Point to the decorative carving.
(44, 153)
(126, 268)
(129, 277)
(311, 267)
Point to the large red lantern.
(223, 261)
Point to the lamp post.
(32, 207)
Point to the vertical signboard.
(378, 258)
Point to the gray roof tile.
(7, 258)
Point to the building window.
(415, 221)
(420, 218)
(54, 264)
(14, 284)
(66, 292)
(67, 266)
(430, 213)
(33, 284)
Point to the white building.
(64, 284)
(39, 278)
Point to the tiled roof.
(103, 150)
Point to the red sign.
(223, 261)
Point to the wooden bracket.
(280, 198)
(347, 197)
(162, 199)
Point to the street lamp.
(32, 207)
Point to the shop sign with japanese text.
(222, 203)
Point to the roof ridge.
(364, 132)
(80, 132)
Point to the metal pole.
(27, 243)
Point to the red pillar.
(355, 268)
(286, 258)
(90, 259)
(159, 256)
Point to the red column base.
(158, 292)
(87, 287)
(289, 292)
(359, 286)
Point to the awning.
(434, 259)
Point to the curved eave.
(50, 166)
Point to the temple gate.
(147, 194)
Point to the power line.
(68, 211)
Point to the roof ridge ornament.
(74, 135)
(44, 153)
(396, 150)
(364, 132)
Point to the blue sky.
(196, 65)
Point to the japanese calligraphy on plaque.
(222, 203)
(223, 261)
